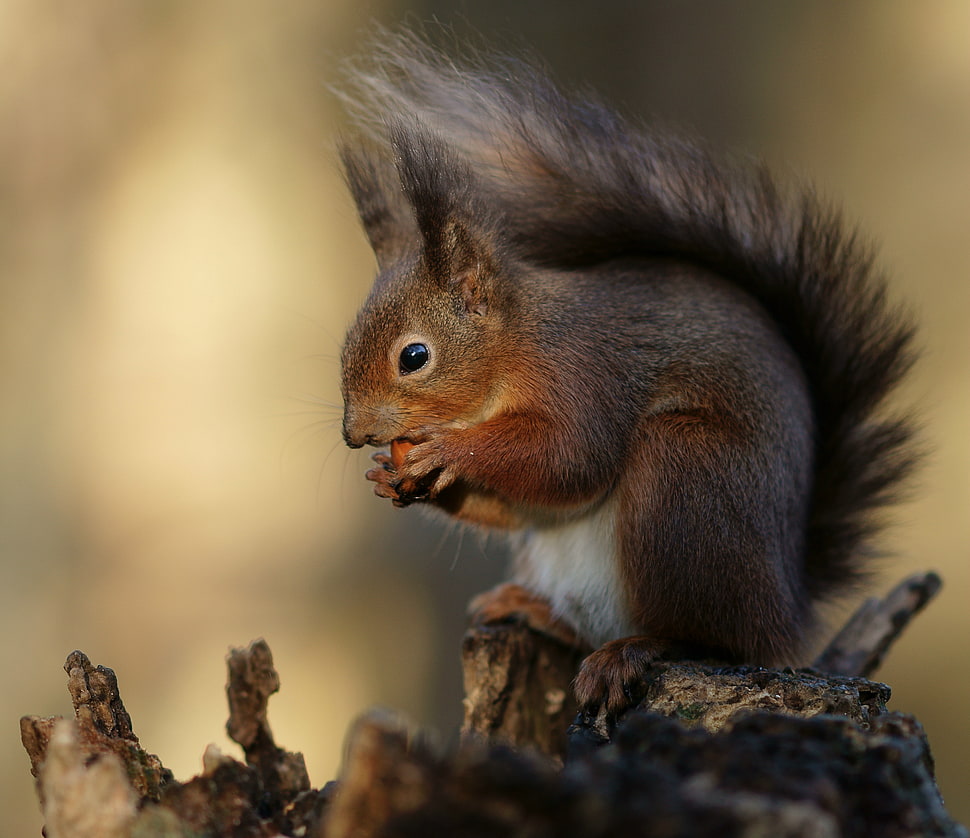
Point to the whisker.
(343, 472)
(323, 467)
(319, 326)
(319, 401)
(461, 542)
(482, 540)
(330, 420)
(323, 356)
(301, 436)
(447, 529)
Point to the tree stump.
(708, 750)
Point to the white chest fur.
(574, 565)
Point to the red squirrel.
(657, 371)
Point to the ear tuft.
(452, 219)
(384, 211)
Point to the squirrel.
(657, 370)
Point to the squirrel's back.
(574, 185)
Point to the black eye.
(413, 357)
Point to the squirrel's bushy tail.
(574, 184)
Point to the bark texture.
(707, 750)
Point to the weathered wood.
(708, 751)
(95, 780)
(103, 726)
(762, 774)
(252, 680)
(862, 644)
(517, 686)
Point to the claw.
(411, 492)
(382, 490)
(383, 460)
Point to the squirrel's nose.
(356, 432)
(367, 424)
(351, 434)
(354, 439)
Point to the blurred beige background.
(179, 260)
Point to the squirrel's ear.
(381, 204)
(449, 213)
(464, 261)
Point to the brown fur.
(630, 342)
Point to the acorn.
(399, 447)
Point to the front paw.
(385, 479)
(428, 467)
(612, 677)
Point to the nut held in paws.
(400, 447)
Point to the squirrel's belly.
(575, 566)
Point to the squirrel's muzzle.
(367, 427)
